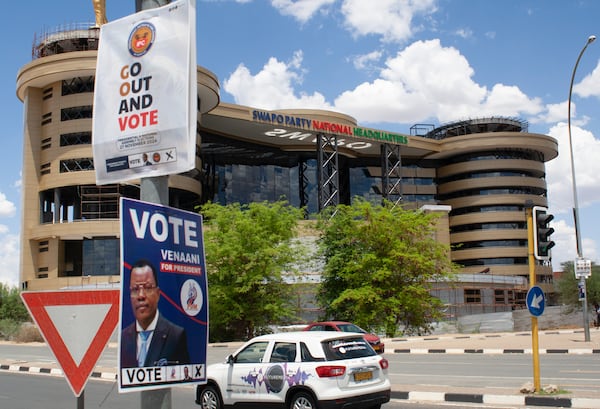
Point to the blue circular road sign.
(536, 301)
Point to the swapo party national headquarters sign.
(145, 97)
(163, 330)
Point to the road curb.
(575, 351)
(413, 396)
(53, 371)
(525, 400)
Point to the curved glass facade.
(238, 172)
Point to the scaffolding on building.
(481, 293)
(65, 38)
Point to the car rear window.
(347, 348)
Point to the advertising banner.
(163, 330)
(145, 97)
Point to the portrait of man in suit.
(151, 340)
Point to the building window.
(82, 112)
(46, 143)
(507, 261)
(101, 257)
(42, 272)
(491, 243)
(489, 226)
(100, 202)
(76, 138)
(76, 165)
(43, 246)
(45, 168)
(472, 296)
(500, 296)
(47, 118)
(47, 94)
(77, 85)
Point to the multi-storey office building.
(481, 172)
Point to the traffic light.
(542, 232)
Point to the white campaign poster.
(145, 98)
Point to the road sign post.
(76, 325)
(583, 271)
(535, 348)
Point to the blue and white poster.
(163, 329)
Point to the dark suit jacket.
(168, 345)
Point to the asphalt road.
(430, 372)
(575, 373)
(28, 391)
(479, 371)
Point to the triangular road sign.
(76, 326)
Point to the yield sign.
(76, 326)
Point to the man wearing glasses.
(151, 340)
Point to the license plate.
(363, 376)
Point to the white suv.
(299, 370)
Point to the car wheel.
(210, 398)
(376, 407)
(302, 400)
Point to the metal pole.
(81, 400)
(586, 324)
(154, 190)
(535, 345)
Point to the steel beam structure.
(391, 173)
(327, 171)
(303, 186)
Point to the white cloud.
(273, 86)
(590, 85)
(7, 208)
(510, 101)
(365, 61)
(564, 237)
(586, 151)
(566, 248)
(301, 10)
(553, 113)
(427, 80)
(391, 19)
(464, 33)
(9, 257)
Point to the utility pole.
(154, 190)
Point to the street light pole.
(586, 325)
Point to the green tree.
(12, 311)
(380, 264)
(568, 290)
(248, 247)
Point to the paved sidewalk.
(550, 342)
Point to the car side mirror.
(230, 359)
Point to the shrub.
(8, 328)
(28, 333)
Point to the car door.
(245, 374)
(280, 372)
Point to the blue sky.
(389, 63)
